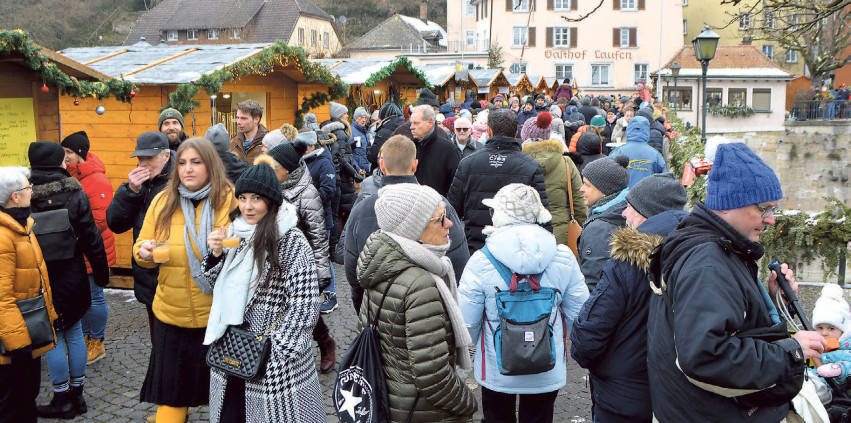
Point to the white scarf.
(432, 259)
(239, 278)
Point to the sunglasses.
(441, 219)
(766, 211)
(462, 129)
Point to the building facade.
(609, 51)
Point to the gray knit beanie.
(405, 209)
(657, 193)
(607, 174)
(274, 139)
(219, 136)
(307, 137)
(310, 121)
(360, 111)
(337, 110)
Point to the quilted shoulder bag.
(241, 353)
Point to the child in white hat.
(831, 318)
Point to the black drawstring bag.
(360, 391)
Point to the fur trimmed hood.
(68, 184)
(551, 145)
(634, 247)
(331, 126)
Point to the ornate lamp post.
(675, 71)
(668, 89)
(705, 45)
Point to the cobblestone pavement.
(113, 383)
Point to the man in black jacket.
(390, 116)
(398, 164)
(438, 157)
(480, 176)
(704, 361)
(131, 202)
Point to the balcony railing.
(818, 109)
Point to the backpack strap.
(512, 279)
(374, 322)
(503, 270)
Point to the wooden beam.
(159, 62)
(105, 57)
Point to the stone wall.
(812, 160)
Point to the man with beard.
(171, 124)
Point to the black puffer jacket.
(697, 367)
(609, 336)
(382, 132)
(438, 158)
(52, 190)
(233, 165)
(300, 192)
(127, 211)
(344, 161)
(499, 163)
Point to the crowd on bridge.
(476, 236)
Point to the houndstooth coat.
(289, 390)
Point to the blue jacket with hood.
(609, 336)
(644, 160)
(525, 249)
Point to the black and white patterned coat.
(289, 390)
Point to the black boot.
(60, 407)
(78, 400)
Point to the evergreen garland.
(731, 112)
(277, 54)
(389, 69)
(17, 41)
(682, 149)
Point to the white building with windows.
(609, 51)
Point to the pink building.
(609, 51)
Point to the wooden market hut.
(442, 78)
(490, 82)
(370, 80)
(520, 84)
(33, 82)
(278, 77)
(547, 85)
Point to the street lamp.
(705, 45)
(675, 71)
(668, 89)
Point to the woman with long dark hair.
(197, 199)
(266, 284)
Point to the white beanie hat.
(831, 308)
(274, 138)
(517, 203)
(405, 209)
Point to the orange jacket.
(21, 263)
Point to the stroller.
(839, 407)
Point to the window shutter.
(573, 37)
(550, 37)
(532, 36)
(616, 37)
(550, 4)
(509, 5)
(633, 37)
(616, 5)
(573, 5)
(640, 4)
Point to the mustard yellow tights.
(166, 414)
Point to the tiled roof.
(395, 33)
(273, 19)
(732, 61)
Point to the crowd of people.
(487, 232)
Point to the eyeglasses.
(462, 129)
(441, 219)
(766, 211)
(30, 186)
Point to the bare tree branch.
(581, 18)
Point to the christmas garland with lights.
(277, 54)
(389, 69)
(17, 41)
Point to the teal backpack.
(523, 341)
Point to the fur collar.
(551, 145)
(68, 184)
(333, 126)
(634, 247)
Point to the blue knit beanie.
(740, 178)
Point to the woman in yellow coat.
(22, 273)
(197, 199)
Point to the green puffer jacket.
(417, 342)
(549, 154)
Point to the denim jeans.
(68, 358)
(94, 321)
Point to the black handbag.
(241, 353)
(37, 319)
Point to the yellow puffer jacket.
(178, 301)
(20, 261)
